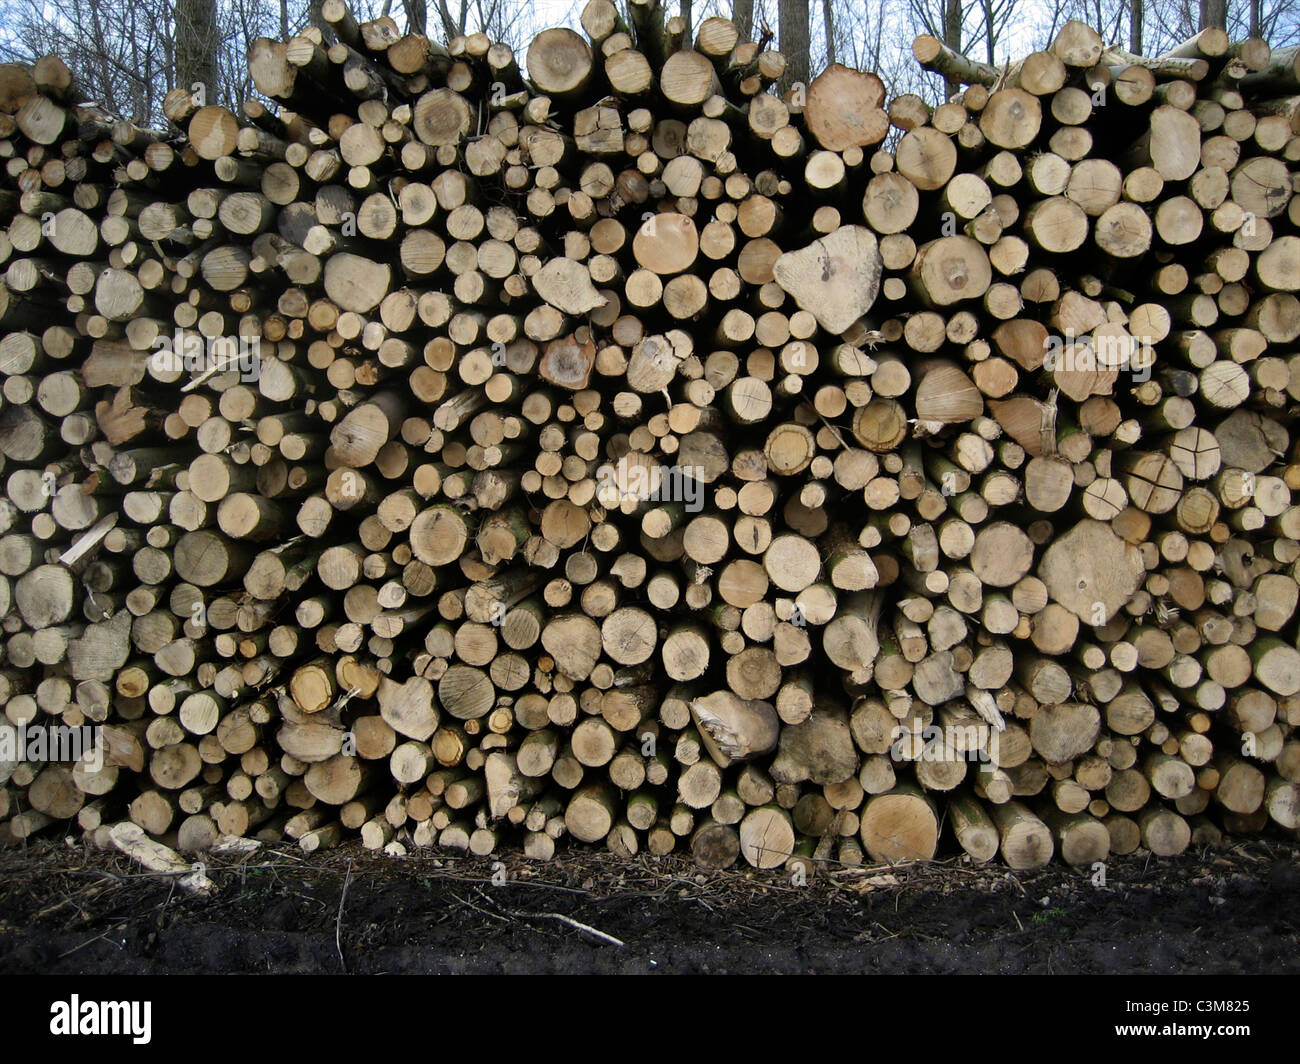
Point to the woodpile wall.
(477, 450)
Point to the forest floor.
(67, 909)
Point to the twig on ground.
(568, 920)
(578, 924)
(338, 922)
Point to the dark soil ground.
(73, 911)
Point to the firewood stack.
(595, 442)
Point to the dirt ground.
(68, 910)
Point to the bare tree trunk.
(742, 13)
(1135, 14)
(686, 17)
(452, 26)
(109, 98)
(1255, 20)
(989, 39)
(284, 20)
(794, 40)
(417, 15)
(952, 33)
(140, 114)
(1214, 13)
(952, 24)
(147, 86)
(828, 16)
(196, 44)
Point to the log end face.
(1091, 571)
(735, 729)
(899, 827)
(559, 61)
(845, 108)
(836, 278)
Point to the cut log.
(836, 278)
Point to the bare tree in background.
(996, 13)
(122, 55)
(417, 16)
(952, 24)
(793, 15)
(876, 35)
(452, 25)
(196, 44)
(1136, 24)
(1152, 27)
(510, 21)
(942, 19)
(743, 13)
(1278, 21)
(126, 54)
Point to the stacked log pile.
(613, 442)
